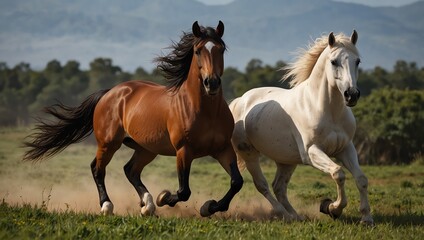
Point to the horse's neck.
(192, 92)
(322, 94)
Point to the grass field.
(57, 199)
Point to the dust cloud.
(83, 198)
(78, 193)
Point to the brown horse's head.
(208, 52)
(200, 52)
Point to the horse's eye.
(334, 62)
(197, 52)
(358, 61)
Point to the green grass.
(57, 199)
(37, 223)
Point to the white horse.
(307, 124)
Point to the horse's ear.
(354, 37)
(331, 39)
(196, 29)
(220, 29)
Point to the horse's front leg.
(184, 160)
(228, 161)
(321, 161)
(349, 158)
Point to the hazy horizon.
(132, 33)
(372, 3)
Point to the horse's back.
(130, 99)
(241, 105)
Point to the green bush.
(390, 126)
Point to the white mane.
(301, 69)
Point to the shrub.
(390, 126)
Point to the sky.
(374, 3)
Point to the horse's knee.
(237, 183)
(93, 164)
(93, 167)
(262, 187)
(236, 178)
(277, 190)
(279, 186)
(362, 182)
(98, 173)
(339, 176)
(130, 173)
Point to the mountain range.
(133, 32)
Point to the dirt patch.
(83, 198)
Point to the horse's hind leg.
(279, 185)
(261, 184)
(133, 168)
(98, 169)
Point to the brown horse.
(188, 118)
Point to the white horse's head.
(342, 66)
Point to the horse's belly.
(165, 150)
(280, 147)
(156, 143)
(267, 126)
(274, 139)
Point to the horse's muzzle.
(351, 96)
(212, 85)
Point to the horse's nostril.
(206, 82)
(346, 94)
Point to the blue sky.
(364, 2)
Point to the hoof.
(148, 207)
(325, 203)
(297, 217)
(285, 218)
(162, 198)
(107, 208)
(325, 208)
(204, 210)
(148, 211)
(300, 218)
(281, 213)
(367, 222)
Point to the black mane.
(176, 65)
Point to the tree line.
(390, 113)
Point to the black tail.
(74, 125)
